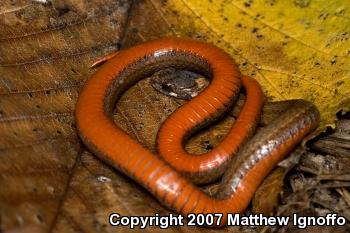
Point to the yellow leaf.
(294, 48)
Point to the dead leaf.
(46, 48)
(267, 196)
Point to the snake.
(242, 159)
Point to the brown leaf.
(46, 48)
(266, 197)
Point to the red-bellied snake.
(168, 178)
